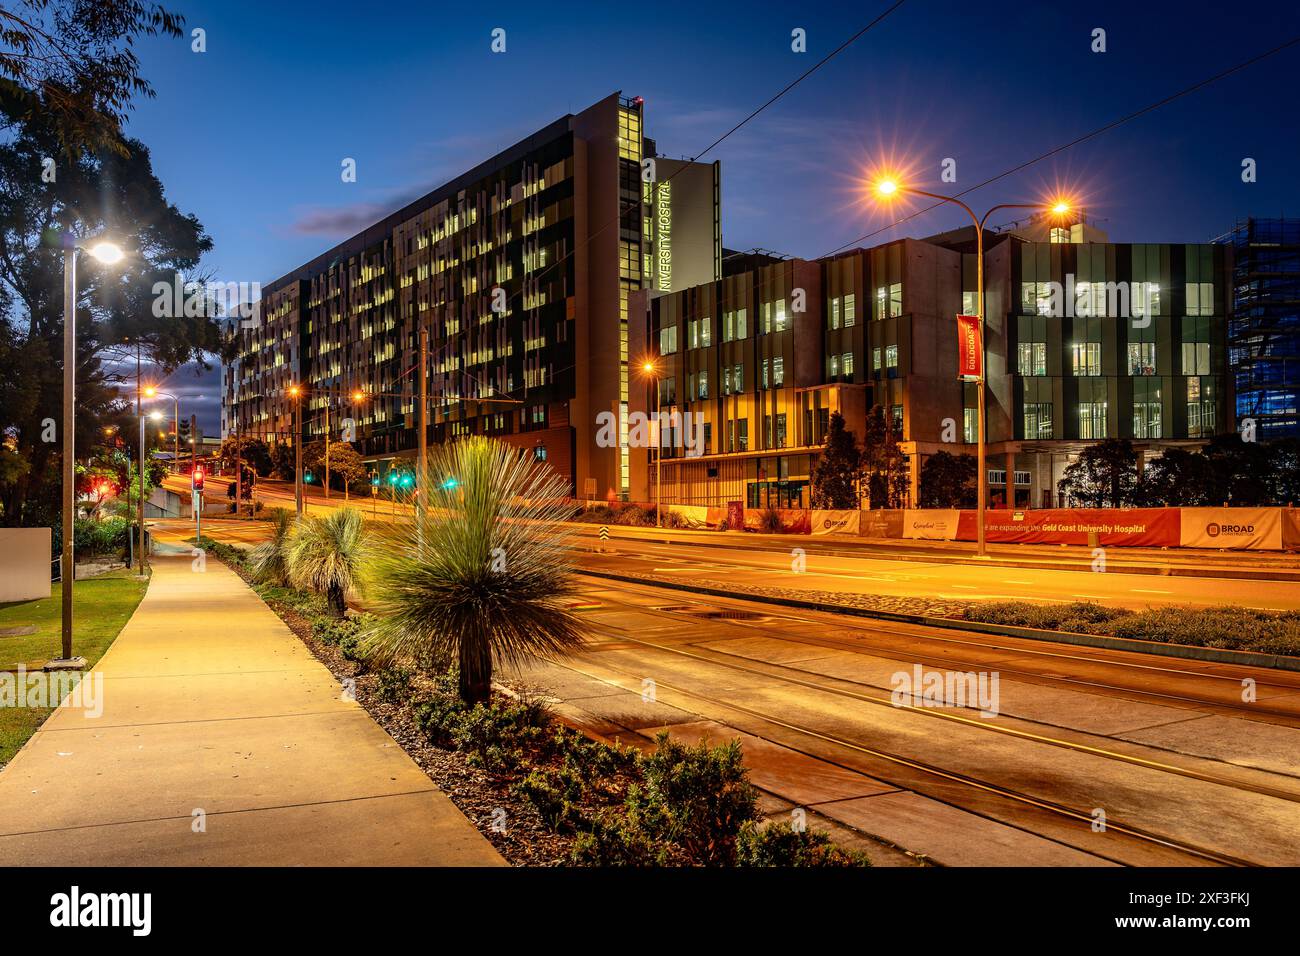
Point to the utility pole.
(139, 410)
(69, 438)
(297, 448)
(422, 447)
(326, 448)
(239, 466)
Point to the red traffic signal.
(197, 478)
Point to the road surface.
(1093, 757)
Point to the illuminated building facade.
(520, 270)
(763, 357)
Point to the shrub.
(697, 797)
(439, 717)
(393, 684)
(1231, 628)
(109, 536)
(769, 521)
(496, 735)
(554, 794)
(268, 561)
(779, 844)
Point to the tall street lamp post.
(888, 188)
(295, 392)
(107, 253)
(652, 372)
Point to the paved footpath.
(223, 741)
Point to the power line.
(1081, 139)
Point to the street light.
(108, 254)
(295, 393)
(652, 372)
(150, 392)
(887, 188)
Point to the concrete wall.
(25, 568)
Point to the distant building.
(1085, 340)
(520, 269)
(1264, 335)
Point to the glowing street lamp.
(885, 189)
(108, 254)
(295, 392)
(652, 372)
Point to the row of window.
(1086, 358)
(1147, 417)
(1116, 299)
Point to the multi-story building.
(520, 271)
(1085, 340)
(1264, 336)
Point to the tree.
(1178, 478)
(1284, 471)
(835, 478)
(345, 464)
(72, 61)
(949, 481)
(104, 192)
(326, 553)
(884, 466)
(282, 461)
(1239, 472)
(1104, 475)
(483, 577)
(250, 450)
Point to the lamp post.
(150, 391)
(295, 392)
(652, 372)
(108, 254)
(887, 189)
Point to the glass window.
(778, 371)
(1146, 420)
(875, 360)
(765, 369)
(781, 321)
(1092, 419)
(889, 301)
(891, 356)
(668, 340)
(833, 367)
(835, 314)
(1038, 420)
(741, 325)
(1200, 298)
(850, 310)
(1196, 358)
(1087, 358)
(970, 419)
(780, 430)
(706, 332)
(703, 383)
(1142, 360)
(846, 364)
(1033, 358)
(970, 301)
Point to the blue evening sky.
(249, 136)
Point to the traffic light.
(197, 478)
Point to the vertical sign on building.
(970, 354)
(664, 236)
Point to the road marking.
(1144, 591)
(966, 587)
(1017, 582)
(1099, 597)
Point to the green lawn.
(103, 605)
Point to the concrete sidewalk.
(222, 742)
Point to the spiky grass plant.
(327, 554)
(266, 562)
(480, 577)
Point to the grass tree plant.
(267, 562)
(481, 577)
(327, 553)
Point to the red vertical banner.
(970, 356)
